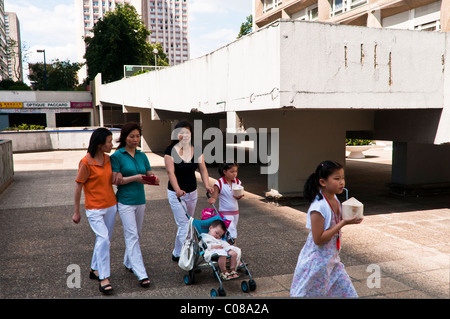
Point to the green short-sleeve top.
(121, 161)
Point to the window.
(341, 6)
(270, 4)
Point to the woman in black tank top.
(181, 160)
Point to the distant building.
(3, 55)
(14, 54)
(429, 15)
(166, 19)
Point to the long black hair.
(98, 137)
(323, 171)
(126, 129)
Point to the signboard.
(47, 105)
(10, 105)
(81, 104)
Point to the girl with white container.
(319, 271)
(229, 190)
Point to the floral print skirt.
(320, 273)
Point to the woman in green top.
(132, 165)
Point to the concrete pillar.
(324, 10)
(155, 133)
(51, 119)
(445, 15)
(233, 123)
(374, 19)
(420, 165)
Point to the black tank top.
(184, 171)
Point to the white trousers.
(189, 201)
(132, 217)
(102, 223)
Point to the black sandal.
(144, 284)
(104, 289)
(92, 275)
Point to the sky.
(50, 25)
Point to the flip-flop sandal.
(233, 275)
(225, 276)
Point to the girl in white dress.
(319, 271)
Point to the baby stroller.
(202, 227)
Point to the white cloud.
(51, 29)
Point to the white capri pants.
(132, 217)
(189, 202)
(102, 223)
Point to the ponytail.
(312, 185)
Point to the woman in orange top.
(95, 178)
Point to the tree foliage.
(61, 75)
(12, 85)
(120, 38)
(246, 27)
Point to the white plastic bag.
(186, 261)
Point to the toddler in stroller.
(211, 250)
(221, 248)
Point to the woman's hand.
(117, 178)
(180, 193)
(76, 217)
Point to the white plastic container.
(238, 190)
(352, 208)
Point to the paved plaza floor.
(406, 239)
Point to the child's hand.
(211, 201)
(354, 220)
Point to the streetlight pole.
(45, 69)
(155, 52)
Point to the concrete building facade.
(314, 84)
(3, 46)
(430, 15)
(14, 54)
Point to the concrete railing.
(6, 164)
(52, 139)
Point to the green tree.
(120, 38)
(9, 84)
(61, 75)
(246, 27)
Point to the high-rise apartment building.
(429, 15)
(3, 46)
(14, 49)
(166, 19)
(168, 22)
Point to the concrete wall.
(6, 164)
(303, 65)
(56, 139)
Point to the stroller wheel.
(222, 292)
(252, 284)
(244, 286)
(189, 279)
(213, 293)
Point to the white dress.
(319, 271)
